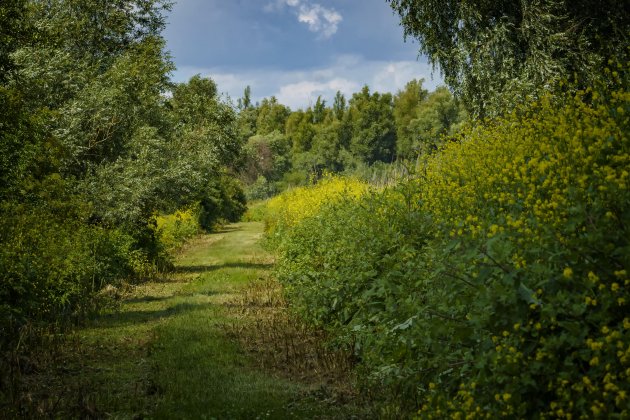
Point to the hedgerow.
(494, 284)
(53, 266)
(537, 205)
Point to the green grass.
(166, 353)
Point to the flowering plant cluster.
(493, 284)
(289, 208)
(537, 205)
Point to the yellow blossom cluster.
(550, 184)
(292, 206)
(531, 174)
(173, 229)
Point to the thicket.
(94, 142)
(494, 282)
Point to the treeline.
(494, 281)
(285, 148)
(95, 141)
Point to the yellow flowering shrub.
(538, 206)
(493, 285)
(174, 229)
(289, 208)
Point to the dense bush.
(224, 201)
(537, 206)
(288, 209)
(52, 267)
(495, 284)
(94, 140)
(172, 230)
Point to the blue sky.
(294, 49)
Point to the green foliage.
(355, 269)
(406, 103)
(272, 116)
(424, 119)
(206, 121)
(267, 156)
(373, 128)
(11, 30)
(92, 147)
(496, 54)
(494, 284)
(53, 266)
(339, 106)
(173, 230)
(223, 201)
(256, 211)
(372, 121)
(537, 207)
(300, 130)
(438, 117)
(261, 189)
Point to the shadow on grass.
(198, 269)
(147, 299)
(127, 318)
(227, 229)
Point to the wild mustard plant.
(495, 285)
(174, 229)
(289, 208)
(541, 197)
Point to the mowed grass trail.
(170, 351)
(200, 373)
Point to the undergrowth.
(495, 283)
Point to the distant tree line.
(287, 148)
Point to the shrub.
(261, 189)
(51, 268)
(496, 283)
(256, 211)
(354, 268)
(223, 201)
(287, 209)
(536, 207)
(172, 230)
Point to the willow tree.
(494, 53)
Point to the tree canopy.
(495, 53)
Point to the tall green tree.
(92, 147)
(300, 130)
(246, 101)
(373, 130)
(200, 112)
(339, 105)
(272, 116)
(494, 53)
(438, 116)
(406, 103)
(319, 110)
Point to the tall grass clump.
(495, 283)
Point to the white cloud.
(300, 88)
(305, 93)
(318, 18)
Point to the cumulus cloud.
(300, 88)
(318, 18)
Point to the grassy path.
(166, 353)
